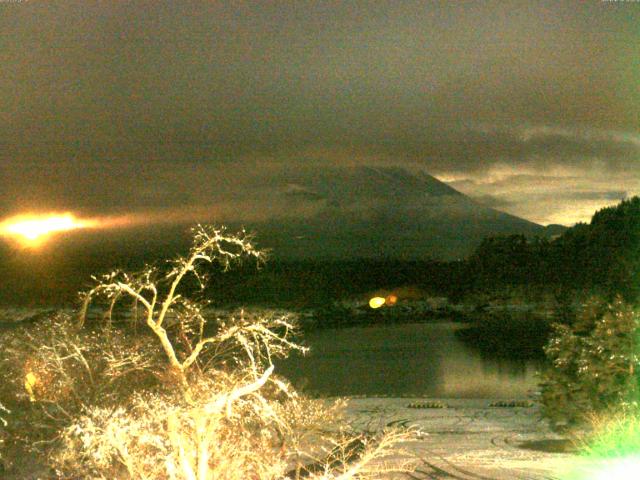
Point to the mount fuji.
(379, 212)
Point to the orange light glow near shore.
(33, 230)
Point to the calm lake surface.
(423, 359)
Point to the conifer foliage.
(593, 365)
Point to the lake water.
(425, 359)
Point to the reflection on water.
(407, 359)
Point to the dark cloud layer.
(115, 106)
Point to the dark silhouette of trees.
(602, 257)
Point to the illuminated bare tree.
(164, 307)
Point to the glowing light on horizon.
(33, 230)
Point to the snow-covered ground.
(469, 439)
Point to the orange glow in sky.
(33, 230)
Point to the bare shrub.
(50, 371)
(165, 437)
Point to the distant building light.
(391, 300)
(377, 302)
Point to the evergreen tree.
(594, 364)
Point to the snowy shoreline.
(469, 438)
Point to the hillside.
(374, 212)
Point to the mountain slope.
(374, 212)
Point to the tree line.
(602, 257)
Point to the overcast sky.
(532, 107)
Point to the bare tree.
(158, 295)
